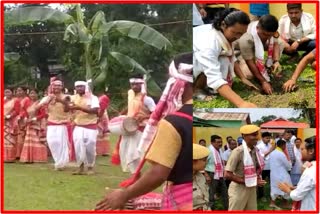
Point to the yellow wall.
(206, 132)
(278, 9)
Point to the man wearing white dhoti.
(140, 107)
(58, 119)
(85, 106)
(279, 173)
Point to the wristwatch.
(299, 41)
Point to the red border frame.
(154, 2)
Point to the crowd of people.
(70, 127)
(60, 125)
(232, 44)
(237, 173)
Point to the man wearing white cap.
(58, 119)
(244, 169)
(86, 107)
(140, 107)
(169, 146)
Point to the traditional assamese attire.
(57, 130)
(139, 105)
(103, 144)
(175, 127)
(279, 173)
(11, 111)
(251, 47)
(86, 130)
(34, 150)
(24, 102)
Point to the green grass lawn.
(304, 97)
(262, 205)
(39, 187)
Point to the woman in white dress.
(305, 192)
(213, 55)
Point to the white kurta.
(306, 189)
(263, 149)
(279, 168)
(129, 153)
(206, 57)
(57, 138)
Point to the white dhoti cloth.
(57, 138)
(129, 154)
(85, 140)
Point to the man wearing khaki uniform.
(241, 195)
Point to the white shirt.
(306, 189)
(226, 154)
(292, 139)
(206, 51)
(296, 32)
(149, 103)
(308, 25)
(296, 168)
(264, 148)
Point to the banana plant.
(92, 38)
(92, 35)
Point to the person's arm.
(264, 84)
(291, 83)
(226, 92)
(276, 55)
(93, 109)
(162, 161)
(16, 109)
(149, 103)
(149, 181)
(247, 49)
(286, 162)
(231, 167)
(241, 76)
(232, 177)
(41, 113)
(305, 186)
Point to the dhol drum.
(123, 125)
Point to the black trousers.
(306, 46)
(265, 174)
(220, 187)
